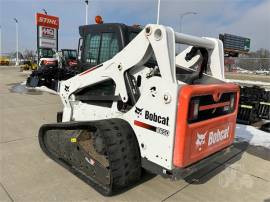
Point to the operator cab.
(69, 58)
(69, 54)
(100, 42)
(46, 53)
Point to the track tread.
(122, 151)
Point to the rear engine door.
(206, 121)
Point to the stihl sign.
(47, 32)
(47, 20)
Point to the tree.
(29, 54)
(258, 60)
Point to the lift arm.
(153, 39)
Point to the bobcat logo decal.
(200, 140)
(138, 111)
(66, 88)
(153, 91)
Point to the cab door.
(98, 48)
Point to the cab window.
(92, 45)
(109, 47)
(100, 48)
(132, 35)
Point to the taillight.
(49, 62)
(194, 110)
(72, 62)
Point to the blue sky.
(248, 18)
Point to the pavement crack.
(9, 196)
(175, 192)
(193, 181)
(241, 171)
(207, 173)
(19, 139)
(31, 106)
(249, 174)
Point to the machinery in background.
(64, 58)
(47, 58)
(4, 59)
(254, 105)
(69, 58)
(54, 67)
(29, 65)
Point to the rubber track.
(121, 147)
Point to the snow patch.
(252, 135)
(41, 88)
(45, 89)
(23, 83)
(258, 83)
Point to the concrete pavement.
(27, 174)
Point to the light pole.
(158, 11)
(182, 16)
(86, 12)
(181, 22)
(0, 40)
(17, 42)
(45, 11)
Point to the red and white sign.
(47, 37)
(46, 32)
(47, 20)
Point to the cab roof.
(107, 27)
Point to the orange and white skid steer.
(146, 107)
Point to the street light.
(45, 11)
(181, 22)
(17, 42)
(86, 12)
(0, 40)
(183, 15)
(158, 11)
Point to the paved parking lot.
(26, 174)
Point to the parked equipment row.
(254, 105)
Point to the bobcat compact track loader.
(146, 107)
